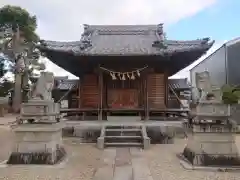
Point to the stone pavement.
(8, 119)
(123, 163)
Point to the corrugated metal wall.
(233, 59)
(215, 64)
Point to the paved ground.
(7, 119)
(86, 162)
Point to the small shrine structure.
(123, 69)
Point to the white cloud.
(62, 20)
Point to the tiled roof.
(178, 84)
(125, 40)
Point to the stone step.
(122, 130)
(120, 139)
(123, 144)
(127, 137)
(122, 127)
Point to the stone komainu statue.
(43, 88)
(41, 106)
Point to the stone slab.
(136, 152)
(123, 157)
(104, 173)
(98, 124)
(140, 166)
(123, 173)
(45, 127)
(109, 156)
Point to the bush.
(230, 95)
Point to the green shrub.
(230, 94)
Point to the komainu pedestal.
(39, 141)
(37, 144)
(40, 111)
(212, 141)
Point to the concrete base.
(189, 166)
(37, 144)
(212, 149)
(146, 142)
(124, 118)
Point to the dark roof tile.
(124, 40)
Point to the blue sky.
(220, 22)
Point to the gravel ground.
(164, 165)
(84, 160)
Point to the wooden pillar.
(79, 93)
(166, 88)
(141, 97)
(80, 97)
(100, 85)
(146, 97)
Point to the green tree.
(13, 16)
(18, 39)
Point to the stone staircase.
(123, 136)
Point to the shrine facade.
(123, 69)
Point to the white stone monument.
(39, 141)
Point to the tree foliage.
(12, 16)
(18, 42)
